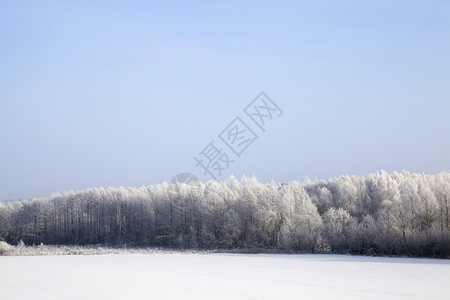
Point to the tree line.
(381, 214)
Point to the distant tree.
(302, 223)
(382, 214)
(340, 230)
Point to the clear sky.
(126, 93)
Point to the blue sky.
(114, 93)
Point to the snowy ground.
(222, 276)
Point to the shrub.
(5, 248)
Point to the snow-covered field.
(222, 276)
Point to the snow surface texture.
(222, 276)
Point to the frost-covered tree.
(340, 230)
(302, 223)
(385, 214)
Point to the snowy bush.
(5, 248)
